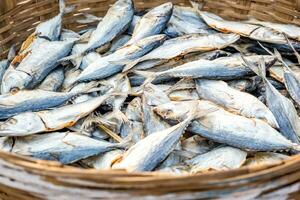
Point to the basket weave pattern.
(26, 178)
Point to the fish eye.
(14, 90)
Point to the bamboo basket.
(27, 178)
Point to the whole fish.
(104, 160)
(227, 128)
(29, 123)
(185, 44)
(225, 68)
(252, 31)
(162, 65)
(49, 30)
(53, 81)
(36, 66)
(146, 154)
(152, 23)
(281, 107)
(292, 31)
(108, 65)
(65, 147)
(197, 145)
(222, 158)
(35, 100)
(186, 20)
(114, 23)
(234, 100)
(265, 158)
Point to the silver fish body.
(53, 81)
(107, 66)
(65, 147)
(284, 112)
(152, 23)
(222, 158)
(225, 68)
(105, 160)
(252, 31)
(118, 43)
(227, 128)
(114, 23)
(265, 158)
(35, 100)
(234, 100)
(186, 20)
(29, 123)
(146, 154)
(186, 44)
(153, 96)
(292, 83)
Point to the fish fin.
(196, 5)
(275, 54)
(176, 85)
(296, 53)
(266, 49)
(250, 65)
(130, 65)
(12, 52)
(120, 62)
(63, 9)
(279, 57)
(150, 76)
(89, 18)
(262, 68)
(71, 57)
(296, 147)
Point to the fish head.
(21, 125)
(154, 95)
(14, 80)
(268, 35)
(164, 10)
(222, 40)
(173, 111)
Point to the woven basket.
(26, 178)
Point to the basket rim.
(242, 173)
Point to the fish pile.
(168, 89)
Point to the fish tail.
(296, 147)
(130, 65)
(150, 76)
(260, 70)
(295, 52)
(71, 57)
(88, 18)
(63, 9)
(196, 5)
(12, 52)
